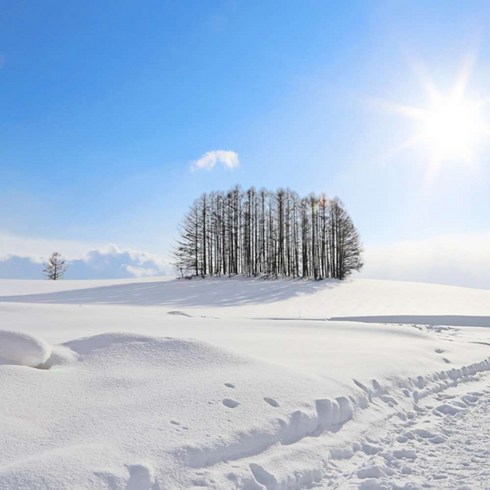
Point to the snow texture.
(244, 384)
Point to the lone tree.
(55, 267)
(268, 233)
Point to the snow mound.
(142, 350)
(88, 345)
(22, 349)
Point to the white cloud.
(22, 258)
(114, 263)
(209, 160)
(41, 248)
(462, 260)
(142, 271)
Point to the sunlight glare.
(451, 128)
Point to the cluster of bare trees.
(268, 233)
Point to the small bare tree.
(55, 267)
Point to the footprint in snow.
(178, 313)
(228, 402)
(405, 454)
(447, 409)
(271, 402)
(141, 477)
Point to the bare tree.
(349, 247)
(272, 233)
(188, 247)
(55, 267)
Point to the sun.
(452, 126)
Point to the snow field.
(372, 300)
(206, 396)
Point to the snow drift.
(22, 349)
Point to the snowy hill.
(252, 298)
(243, 383)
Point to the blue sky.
(105, 105)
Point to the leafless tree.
(56, 266)
(268, 233)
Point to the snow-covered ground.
(243, 383)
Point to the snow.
(22, 349)
(236, 383)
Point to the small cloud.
(209, 160)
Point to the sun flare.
(452, 126)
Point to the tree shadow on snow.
(208, 292)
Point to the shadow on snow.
(208, 292)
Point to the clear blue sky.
(104, 106)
